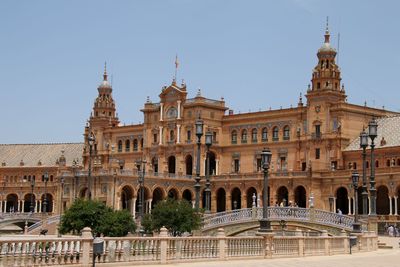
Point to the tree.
(96, 215)
(177, 216)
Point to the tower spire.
(327, 34)
(176, 68)
(105, 71)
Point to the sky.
(255, 54)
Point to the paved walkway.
(380, 258)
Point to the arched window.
(234, 137)
(388, 163)
(286, 133)
(275, 134)
(119, 146)
(254, 135)
(264, 135)
(127, 146)
(171, 135)
(367, 164)
(244, 136)
(377, 164)
(135, 145)
(354, 165)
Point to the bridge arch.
(382, 200)
(300, 196)
(282, 196)
(221, 200)
(236, 199)
(250, 192)
(342, 200)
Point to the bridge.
(237, 221)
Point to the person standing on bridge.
(340, 215)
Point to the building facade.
(314, 151)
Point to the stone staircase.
(386, 242)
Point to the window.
(377, 164)
(367, 164)
(283, 163)
(234, 137)
(318, 85)
(244, 136)
(286, 133)
(119, 146)
(388, 163)
(318, 130)
(254, 136)
(214, 137)
(259, 164)
(171, 135)
(127, 146)
(236, 165)
(303, 166)
(135, 145)
(275, 134)
(155, 138)
(317, 153)
(141, 144)
(189, 136)
(354, 165)
(264, 135)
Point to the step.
(385, 247)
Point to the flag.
(176, 62)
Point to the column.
(1, 206)
(19, 205)
(54, 206)
(161, 111)
(179, 109)
(22, 206)
(395, 205)
(5, 205)
(133, 207)
(35, 211)
(349, 198)
(40, 205)
(161, 135)
(334, 204)
(228, 204)
(178, 137)
(150, 201)
(369, 206)
(390, 206)
(216, 166)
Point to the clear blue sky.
(255, 54)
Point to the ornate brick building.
(314, 149)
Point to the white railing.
(49, 220)
(277, 214)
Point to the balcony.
(316, 136)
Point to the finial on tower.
(105, 71)
(176, 69)
(327, 34)
(300, 104)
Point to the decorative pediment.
(173, 93)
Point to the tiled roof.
(388, 134)
(12, 155)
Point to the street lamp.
(356, 225)
(61, 202)
(208, 141)
(373, 133)
(32, 208)
(91, 141)
(363, 145)
(265, 224)
(199, 133)
(141, 166)
(46, 179)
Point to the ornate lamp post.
(373, 133)
(265, 224)
(62, 180)
(46, 179)
(141, 166)
(199, 133)
(208, 141)
(356, 225)
(91, 141)
(363, 145)
(32, 207)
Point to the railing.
(277, 214)
(49, 220)
(20, 215)
(44, 251)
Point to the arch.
(158, 195)
(398, 200)
(120, 146)
(282, 196)
(342, 200)
(189, 165)
(249, 193)
(49, 204)
(275, 133)
(84, 192)
(127, 198)
(187, 194)
(135, 145)
(236, 199)
(171, 164)
(244, 136)
(221, 200)
(30, 199)
(286, 132)
(127, 146)
(254, 135)
(264, 134)
(234, 137)
(382, 200)
(300, 196)
(154, 163)
(213, 163)
(12, 203)
(173, 193)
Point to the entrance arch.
(158, 195)
(12, 203)
(49, 206)
(236, 199)
(127, 199)
(221, 200)
(282, 196)
(84, 192)
(187, 194)
(250, 192)
(173, 193)
(189, 165)
(342, 200)
(382, 200)
(171, 165)
(28, 201)
(300, 196)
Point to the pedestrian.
(339, 211)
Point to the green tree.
(177, 216)
(96, 215)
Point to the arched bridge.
(21, 218)
(237, 221)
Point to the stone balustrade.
(69, 251)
